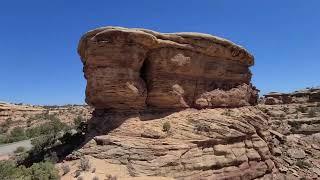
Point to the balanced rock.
(138, 68)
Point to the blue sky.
(40, 65)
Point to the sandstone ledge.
(201, 144)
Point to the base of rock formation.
(190, 144)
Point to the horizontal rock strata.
(200, 144)
(138, 68)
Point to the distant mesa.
(135, 69)
(300, 96)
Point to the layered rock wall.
(138, 68)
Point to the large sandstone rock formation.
(138, 68)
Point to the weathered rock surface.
(295, 130)
(200, 144)
(138, 68)
(300, 96)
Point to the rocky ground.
(295, 130)
(266, 141)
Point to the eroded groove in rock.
(182, 70)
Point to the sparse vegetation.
(227, 112)
(16, 134)
(166, 126)
(202, 127)
(77, 173)
(84, 164)
(20, 149)
(110, 177)
(302, 109)
(4, 127)
(295, 125)
(303, 164)
(285, 109)
(65, 168)
(312, 113)
(78, 120)
(93, 170)
(42, 170)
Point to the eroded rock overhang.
(137, 68)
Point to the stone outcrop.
(300, 96)
(199, 144)
(295, 130)
(138, 68)
(188, 73)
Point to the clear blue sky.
(40, 65)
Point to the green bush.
(78, 120)
(4, 127)
(202, 127)
(38, 171)
(84, 164)
(303, 164)
(51, 127)
(166, 126)
(227, 112)
(16, 134)
(43, 170)
(20, 149)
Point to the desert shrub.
(202, 127)
(303, 164)
(80, 178)
(20, 149)
(110, 177)
(4, 127)
(312, 113)
(43, 170)
(78, 120)
(16, 134)
(295, 124)
(227, 112)
(77, 173)
(93, 170)
(38, 171)
(65, 168)
(166, 126)
(51, 127)
(285, 109)
(302, 109)
(95, 178)
(84, 164)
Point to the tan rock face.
(198, 144)
(137, 68)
